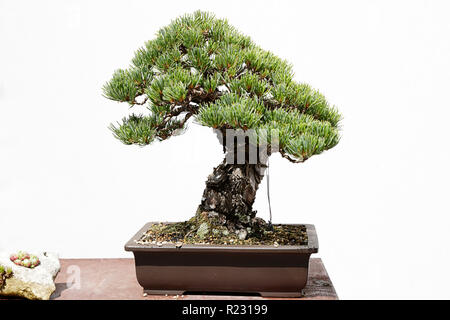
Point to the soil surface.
(191, 232)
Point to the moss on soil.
(5, 273)
(200, 230)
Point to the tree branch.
(286, 156)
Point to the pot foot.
(280, 294)
(163, 292)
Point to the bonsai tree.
(201, 67)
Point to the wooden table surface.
(115, 279)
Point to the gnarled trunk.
(230, 193)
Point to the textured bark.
(230, 193)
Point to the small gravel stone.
(213, 214)
(203, 230)
(242, 234)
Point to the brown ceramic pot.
(266, 270)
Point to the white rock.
(34, 284)
(242, 234)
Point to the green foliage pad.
(202, 67)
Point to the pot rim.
(311, 247)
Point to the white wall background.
(379, 200)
